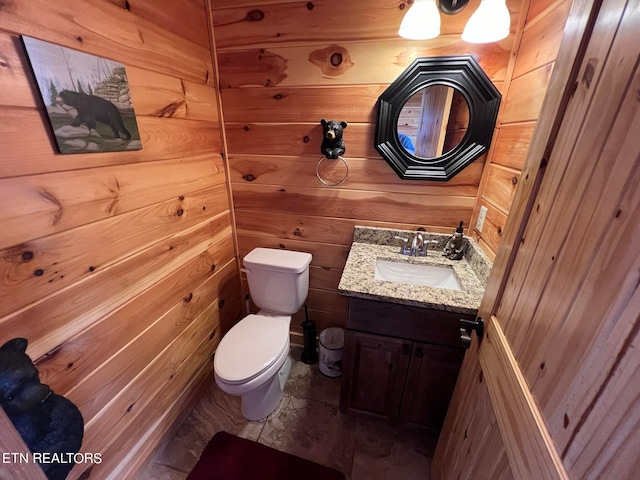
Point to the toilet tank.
(278, 279)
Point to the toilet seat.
(253, 345)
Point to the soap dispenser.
(453, 249)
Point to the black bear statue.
(49, 424)
(332, 141)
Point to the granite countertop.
(370, 244)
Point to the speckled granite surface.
(369, 244)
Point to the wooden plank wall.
(284, 65)
(118, 267)
(536, 55)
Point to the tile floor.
(307, 423)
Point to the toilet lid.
(250, 347)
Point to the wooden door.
(553, 389)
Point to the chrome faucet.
(404, 249)
(426, 243)
(417, 245)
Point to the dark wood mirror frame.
(462, 73)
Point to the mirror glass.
(433, 121)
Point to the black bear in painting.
(332, 142)
(92, 109)
(50, 425)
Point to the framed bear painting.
(87, 99)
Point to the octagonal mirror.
(436, 118)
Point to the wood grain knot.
(79, 39)
(213, 334)
(130, 408)
(170, 109)
(254, 16)
(213, 268)
(181, 197)
(514, 180)
(27, 255)
(277, 96)
(187, 298)
(179, 212)
(281, 245)
(39, 272)
(310, 6)
(248, 177)
(499, 230)
(92, 268)
(590, 71)
(333, 60)
(306, 139)
(221, 303)
(246, 128)
(565, 421)
(297, 232)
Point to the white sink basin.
(416, 274)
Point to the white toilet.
(252, 359)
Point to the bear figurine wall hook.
(332, 148)
(332, 141)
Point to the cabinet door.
(374, 370)
(433, 372)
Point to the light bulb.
(421, 22)
(490, 23)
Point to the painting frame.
(87, 99)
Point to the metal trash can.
(331, 342)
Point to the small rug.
(228, 457)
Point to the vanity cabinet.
(400, 362)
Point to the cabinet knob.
(405, 349)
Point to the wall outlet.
(481, 216)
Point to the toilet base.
(261, 402)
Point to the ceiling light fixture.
(451, 7)
(490, 23)
(421, 22)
